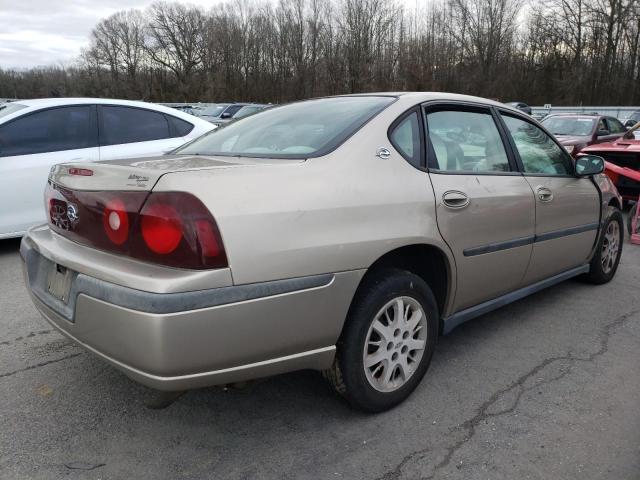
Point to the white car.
(37, 134)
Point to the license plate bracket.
(59, 282)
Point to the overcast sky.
(45, 32)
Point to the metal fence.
(618, 112)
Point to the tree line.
(547, 51)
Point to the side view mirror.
(602, 133)
(225, 115)
(589, 165)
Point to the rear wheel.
(387, 342)
(607, 257)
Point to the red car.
(577, 131)
(622, 162)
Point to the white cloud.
(45, 32)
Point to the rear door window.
(466, 141)
(121, 125)
(180, 127)
(51, 130)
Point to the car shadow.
(9, 246)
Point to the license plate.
(59, 282)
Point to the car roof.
(421, 97)
(578, 115)
(54, 102)
(40, 103)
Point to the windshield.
(9, 108)
(569, 125)
(213, 111)
(243, 112)
(297, 130)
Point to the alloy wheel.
(610, 247)
(395, 344)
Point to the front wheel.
(387, 342)
(632, 213)
(607, 256)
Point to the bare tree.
(555, 51)
(175, 40)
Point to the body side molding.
(467, 314)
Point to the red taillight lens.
(161, 228)
(168, 228)
(115, 221)
(209, 238)
(178, 230)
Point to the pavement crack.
(483, 412)
(83, 466)
(41, 364)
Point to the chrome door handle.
(455, 199)
(544, 194)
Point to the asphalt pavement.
(545, 388)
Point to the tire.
(378, 298)
(630, 215)
(604, 263)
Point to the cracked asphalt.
(546, 388)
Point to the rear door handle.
(455, 199)
(544, 194)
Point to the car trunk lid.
(143, 174)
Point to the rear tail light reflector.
(168, 228)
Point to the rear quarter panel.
(330, 214)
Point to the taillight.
(161, 227)
(115, 221)
(168, 228)
(176, 229)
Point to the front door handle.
(455, 199)
(544, 194)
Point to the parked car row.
(220, 114)
(576, 131)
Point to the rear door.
(127, 132)
(567, 208)
(485, 207)
(29, 146)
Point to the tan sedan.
(340, 234)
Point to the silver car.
(339, 234)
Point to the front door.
(485, 208)
(567, 207)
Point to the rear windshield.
(9, 108)
(297, 130)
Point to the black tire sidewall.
(371, 297)
(631, 213)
